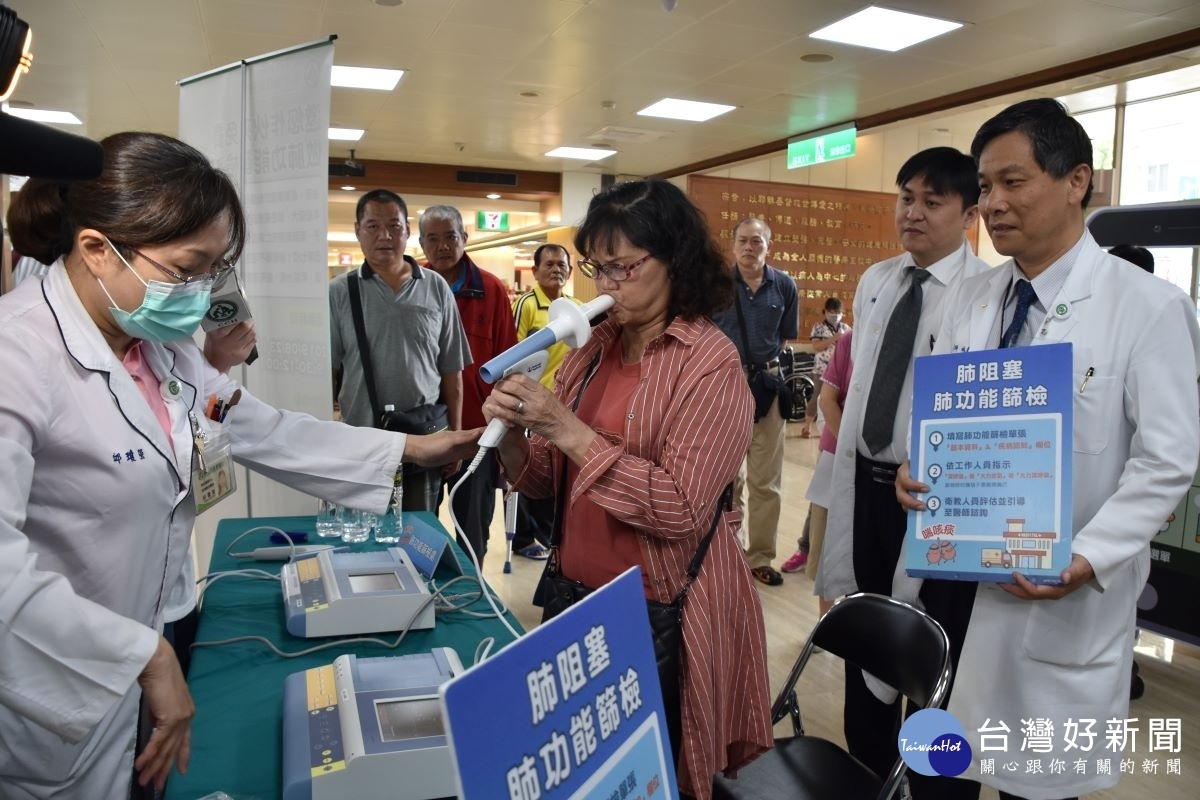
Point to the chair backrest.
(899, 644)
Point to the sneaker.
(534, 551)
(796, 562)
(767, 575)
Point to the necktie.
(895, 355)
(1026, 297)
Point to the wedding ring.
(520, 407)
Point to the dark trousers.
(872, 727)
(422, 489)
(475, 503)
(180, 634)
(535, 521)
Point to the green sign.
(491, 221)
(829, 146)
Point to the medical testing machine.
(337, 593)
(368, 729)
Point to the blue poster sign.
(988, 435)
(572, 709)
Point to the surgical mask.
(168, 312)
(834, 319)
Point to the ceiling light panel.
(383, 80)
(689, 110)
(44, 115)
(581, 153)
(346, 134)
(884, 29)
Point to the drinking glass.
(355, 526)
(329, 519)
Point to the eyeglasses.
(214, 273)
(614, 272)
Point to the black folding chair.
(897, 643)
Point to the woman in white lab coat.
(101, 388)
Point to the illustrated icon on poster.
(933, 504)
(934, 472)
(936, 439)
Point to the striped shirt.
(686, 432)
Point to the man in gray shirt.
(418, 347)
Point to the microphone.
(570, 323)
(39, 151)
(228, 306)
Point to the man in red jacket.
(487, 318)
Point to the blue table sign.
(572, 709)
(427, 546)
(992, 437)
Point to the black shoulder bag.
(764, 386)
(666, 619)
(429, 418)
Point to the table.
(238, 688)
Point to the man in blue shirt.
(770, 308)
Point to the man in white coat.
(1057, 658)
(898, 310)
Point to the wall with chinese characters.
(825, 238)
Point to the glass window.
(1161, 162)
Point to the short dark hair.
(1138, 256)
(657, 216)
(747, 221)
(833, 303)
(946, 170)
(381, 196)
(153, 190)
(537, 254)
(1059, 142)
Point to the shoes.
(795, 562)
(767, 575)
(534, 551)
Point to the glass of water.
(389, 528)
(356, 525)
(329, 519)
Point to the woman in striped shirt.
(648, 422)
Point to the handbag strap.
(556, 531)
(737, 304)
(364, 350)
(724, 504)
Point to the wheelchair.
(797, 371)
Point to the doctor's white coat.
(96, 511)
(1136, 442)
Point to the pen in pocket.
(1087, 376)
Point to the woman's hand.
(171, 708)
(227, 347)
(443, 447)
(524, 403)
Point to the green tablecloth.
(238, 688)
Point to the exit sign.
(491, 221)
(828, 146)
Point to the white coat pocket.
(1087, 627)
(1094, 392)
